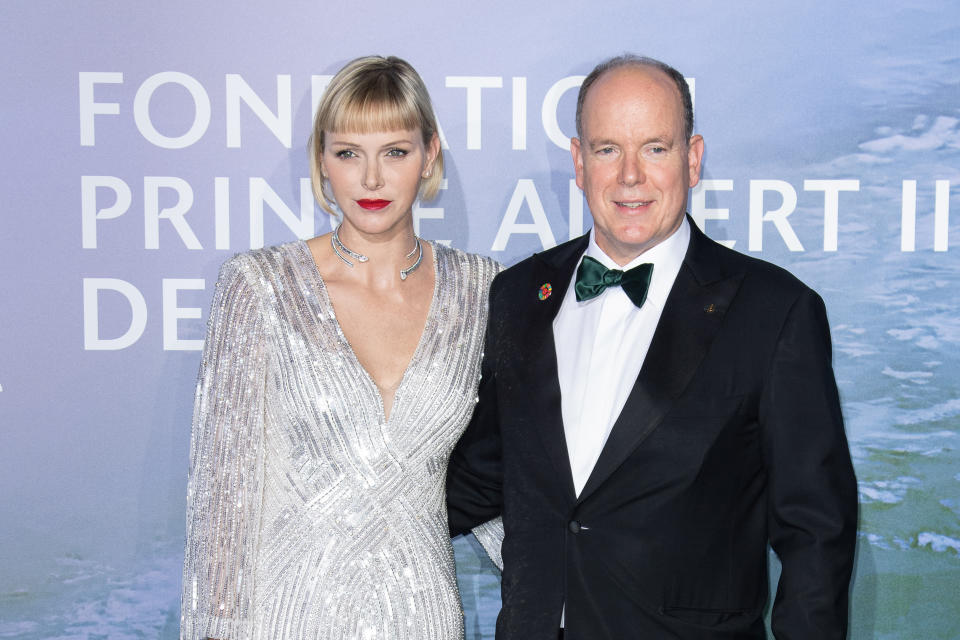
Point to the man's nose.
(631, 170)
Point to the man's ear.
(695, 159)
(575, 151)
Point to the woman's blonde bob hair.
(371, 94)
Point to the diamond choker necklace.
(340, 249)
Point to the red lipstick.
(373, 205)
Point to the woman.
(337, 375)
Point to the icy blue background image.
(94, 443)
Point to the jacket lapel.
(555, 268)
(691, 317)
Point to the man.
(645, 444)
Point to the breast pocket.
(715, 619)
(708, 435)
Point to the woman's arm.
(225, 481)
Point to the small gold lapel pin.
(546, 290)
(711, 308)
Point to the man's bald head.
(630, 60)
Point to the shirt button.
(574, 526)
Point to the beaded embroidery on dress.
(308, 514)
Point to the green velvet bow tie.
(593, 278)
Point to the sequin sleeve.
(225, 480)
(490, 533)
(490, 536)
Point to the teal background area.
(94, 444)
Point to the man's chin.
(626, 244)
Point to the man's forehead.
(635, 69)
(633, 82)
(620, 93)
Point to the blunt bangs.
(372, 109)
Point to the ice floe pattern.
(938, 542)
(887, 491)
(923, 136)
(898, 367)
(895, 317)
(97, 601)
(815, 91)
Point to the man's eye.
(397, 153)
(605, 150)
(346, 153)
(658, 150)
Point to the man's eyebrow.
(606, 142)
(664, 140)
(603, 142)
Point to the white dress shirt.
(601, 344)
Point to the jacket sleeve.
(812, 510)
(225, 480)
(475, 471)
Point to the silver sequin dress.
(308, 514)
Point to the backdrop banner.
(144, 144)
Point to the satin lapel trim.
(556, 269)
(688, 324)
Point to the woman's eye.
(346, 153)
(397, 153)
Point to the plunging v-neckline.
(348, 348)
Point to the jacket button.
(574, 526)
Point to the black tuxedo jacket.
(731, 438)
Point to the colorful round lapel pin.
(546, 289)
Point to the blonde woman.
(337, 375)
